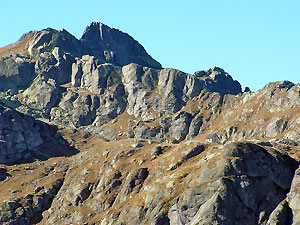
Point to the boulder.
(43, 94)
(3, 174)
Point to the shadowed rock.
(24, 139)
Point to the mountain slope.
(100, 133)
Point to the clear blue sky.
(256, 41)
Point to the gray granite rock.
(180, 125)
(76, 110)
(21, 136)
(48, 39)
(114, 46)
(43, 94)
(138, 83)
(90, 75)
(217, 80)
(195, 126)
(275, 127)
(15, 74)
(251, 189)
(293, 197)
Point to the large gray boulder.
(43, 94)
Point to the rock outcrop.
(107, 44)
(24, 139)
(293, 198)
(114, 46)
(15, 72)
(42, 95)
(48, 39)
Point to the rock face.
(89, 74)
(217, 80)
(46, 40)
(95, 131)
(15, 73)
(104, 88)
(293, 197)
(253, 198)
(42, 94)
(22, 137)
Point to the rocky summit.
(96, 131)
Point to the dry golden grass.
(19, 47)
(27, 179)
(66, 85)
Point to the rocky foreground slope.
(95, 131)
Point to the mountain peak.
(95, 30)
(105, 43)
(115, 46)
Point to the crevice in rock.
(282, 214)
(161, 219)
(84, 194)
(189, 154)
(289, 218)
(46, 204)
(238, 196)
